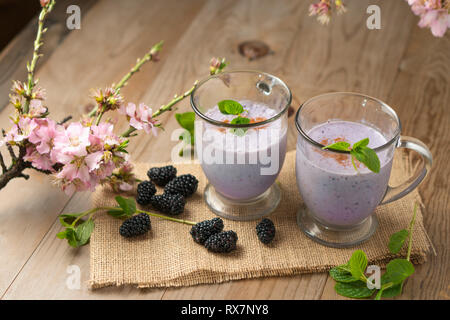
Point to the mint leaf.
(372, 161)
(340, 146)
(83, 232)
(393, 290)
(68, 218)
(230, 107)
(356, 289)
(117, 213)
(398, 270)
(359, 151)
(361, 143)
(186, 120)
(127, 204)
(239, 120)
(340, 274)
(397, 240)
(358, 264)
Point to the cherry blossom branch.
(164, 108)
(149, 56)
(47, 8)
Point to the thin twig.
(2, 163)
(37, 44)
(68, 118)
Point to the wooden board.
(401, 64)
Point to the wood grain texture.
(400, 64)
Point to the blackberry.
(203, 230)
(185, 184)
(168, 203)
(265, 231)
(135, 226)
(222, 242)
(161, 176)
(145, 191)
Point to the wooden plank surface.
(401, 64)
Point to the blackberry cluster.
(265, 231)
(135, 226)
(168, 203)
(222, 242)
(145, 192)
(185, 185)
(205, 229)
(161, 176)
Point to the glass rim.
(321, 146)
(249, 125)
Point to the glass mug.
(339, 200)
(241, 161)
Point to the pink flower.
(20, 131)
(434, 14)
(74, 140)
(104, 135)
(140, 117)
(38, 160)
(44, 135)
(36, 108)
(321, 10)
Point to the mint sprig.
(234, 108)
(350, 278)
(359, 151)
(230, 107)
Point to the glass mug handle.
(395, 193)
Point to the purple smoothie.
(335, 193)
(242, 167)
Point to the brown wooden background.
(401, 64)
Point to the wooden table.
(401, 64)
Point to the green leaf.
(61, 235)
(340, 274)
(397, 240)
(361, 143)
(67, 219)
(186, 120)
(71, 237)
(230, 107)
(372, 162)
(393, 290)
(398, 270)
(127, 204)
(239, 120)
(117, 213)
(341, 146)
(356, 289)
(83, 232)
(358, 264)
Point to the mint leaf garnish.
(341, 274)
(397, 240)
(356, 289)
(359, 151)
(351, 280)
(341, 146)
(230, 107)
(128, 205)
(239, 120)
(358, 264)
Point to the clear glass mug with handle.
(241, 160)
(339, 198)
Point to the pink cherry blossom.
(140, 117)
(36, 108)
(74, 140)
(434, 14)
(38, 160)
(43, 137)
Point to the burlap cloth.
(167, 256)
